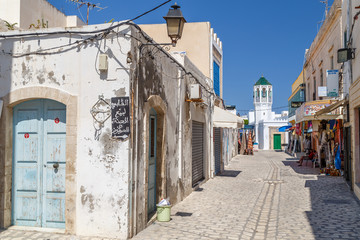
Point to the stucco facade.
(70, 76)
(322, 55)
(200, 43)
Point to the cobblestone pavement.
(265, 196)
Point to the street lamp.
(345, 54)
(175, 23)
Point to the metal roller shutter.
(217, 149)
(197, 152)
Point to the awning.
(308, 110)
(284, 128)
(330, 108)
(226, 119)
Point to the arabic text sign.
(120, 117)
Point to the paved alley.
(265, 196)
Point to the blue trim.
(216, 79)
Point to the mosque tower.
(263, 103)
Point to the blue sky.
(259, 37)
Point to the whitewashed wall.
(101, 164)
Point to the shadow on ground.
(306, 168)
(335, 211)
(229, 173)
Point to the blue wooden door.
(152, 163)
(39, 164)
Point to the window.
(321, 78)
(216, 79)
(314, 93)
(331, 62)
(270, 95)
(308, 92)
(264, 93)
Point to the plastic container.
(163, 213)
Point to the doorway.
(39, 157)
(277, 141)
(152, 163)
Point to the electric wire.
(84, 32)
(150, 11)
(252, 110)
(105, 32)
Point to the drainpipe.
(211, 123)
(136, 150)
(180, 124)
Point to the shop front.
(319, 127)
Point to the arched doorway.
(39, 163)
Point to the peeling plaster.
(109, 161)
(120, 92)
(41, 79)
(52, 78)
(87, 199)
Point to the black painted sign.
(120, 117)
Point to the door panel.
(197, 152)
(26, 176)
(39, 143)
(217, 149)
(277, 141)
(54, 160)
(152, 164)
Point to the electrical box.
(103, 62)
(195, 91)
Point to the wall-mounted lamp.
(175, 23)
(345, 54)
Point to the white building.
(264, 120)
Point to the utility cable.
(107, 30)
(150, 11)
(83, 32)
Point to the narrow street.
(265, 196)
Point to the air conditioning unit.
(195, 92)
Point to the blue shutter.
(216, 79)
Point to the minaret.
(262, 102)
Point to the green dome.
(262, 81)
